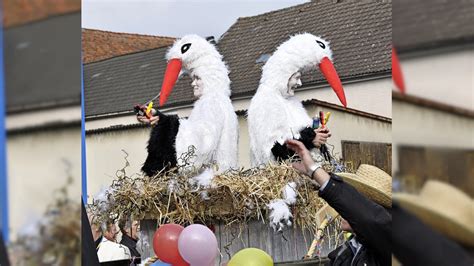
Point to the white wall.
(374, 96)
(420, 126)
(446, 77)
(36, 168)
(105, 156)
(38, 118)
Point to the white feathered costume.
(276, 115)
(212, 126)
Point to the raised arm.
(370, 221)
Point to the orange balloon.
(165, 244)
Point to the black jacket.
(428, 247)
(3, 253)
(88, 251)
(370, 222)
(131, 244)
(97, 242)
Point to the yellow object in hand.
(326, 118)
(148, 108)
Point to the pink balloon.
(197, 245)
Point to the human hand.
(153, 120)
(303, 153)
(322, 135)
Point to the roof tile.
(99, 45)
(359, 32)
(418, 25)
(19, 12)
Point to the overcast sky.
(173, 18)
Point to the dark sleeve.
(97, 242)
(371, 222)
(161, 145)
(88, 251)
(281, 152)
(3, 252)
(414, 243)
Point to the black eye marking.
(321, 44)
(185, 48)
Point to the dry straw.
(235, 196)
(55, 239)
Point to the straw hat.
(373, 182)
(443, 207)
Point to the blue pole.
(83, 142)
(3, 142)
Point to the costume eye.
(185, 48)
(321, 44)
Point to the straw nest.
(235, 196)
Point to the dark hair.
(124, 224)
(106, 225)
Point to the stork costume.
(276, 115)
(212, 126)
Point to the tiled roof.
(117, 84)
(99, 45)
(359, 32)
(419, 25)
(19, 12)
(43, 63)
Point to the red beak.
(329, 72)
(171, 76)
(397, 75)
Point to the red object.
(329, 72)
(165, 244)
(171, 76)
(181, 263)
(321, 119)
(397, 75)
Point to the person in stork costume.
(275, 115)
(212, 126)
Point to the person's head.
(195, 56)
(109, 230)
(294, 82)
(96, 231)
(300, 53)
(345, 226)
(198, 86)
(130, 228)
